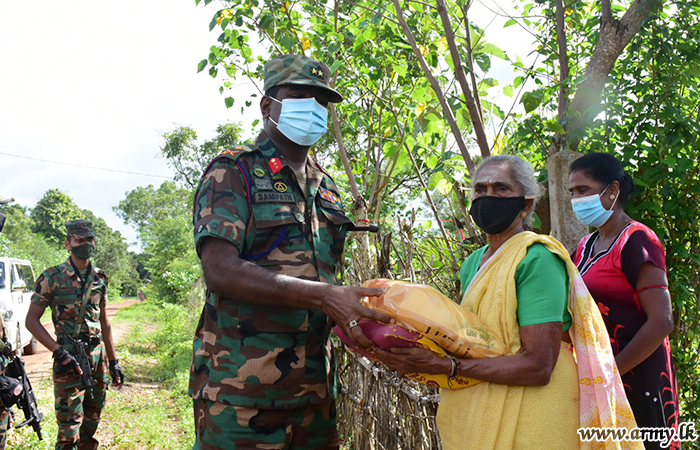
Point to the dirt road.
(41, 363)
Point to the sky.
(93, 84)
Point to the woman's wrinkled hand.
(413, 360)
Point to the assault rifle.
(82, 355)
(27, 400)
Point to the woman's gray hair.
(522, 172)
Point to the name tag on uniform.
(274, 197)
(263, 185)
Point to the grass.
(152, 411)
(46, 317)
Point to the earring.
(612, 197)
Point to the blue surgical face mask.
(302, 120)
(590, 210)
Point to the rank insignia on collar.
(330, 196)
(280, 187)
(275, 165)
(259, 172)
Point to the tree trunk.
(565, 227)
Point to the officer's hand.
(64, 362)
(116, 371)
(345, 308)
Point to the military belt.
(91, 340)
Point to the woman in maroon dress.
(623, 265)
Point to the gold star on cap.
(318, 72)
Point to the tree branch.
(436, 88)
(606, 12)
(563, 60)
(431, 203)
(472, 106)
(614, 37)
(470, 58)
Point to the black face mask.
(84, 251)
(495, 214)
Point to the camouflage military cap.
(300, 70)
(82, 228)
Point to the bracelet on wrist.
(455, 366)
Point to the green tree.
(188, 158)
(145, 206)
(163, 219)
(112, 255)
(51, 213)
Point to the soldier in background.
(66, 288)
(269, 227)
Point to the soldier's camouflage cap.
(301, 70)
(81, 228)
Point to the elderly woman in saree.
(559, 374)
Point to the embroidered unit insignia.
(259, 172)
(280, 187)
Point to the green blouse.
(541, 285)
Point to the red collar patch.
(275, 165)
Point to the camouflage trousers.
(77, 414)
(225, 427)
(4, 426)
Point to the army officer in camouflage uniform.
(269, 227)
(63, 289)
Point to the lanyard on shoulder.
(87, 290)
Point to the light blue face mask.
(302, 120)
(590, 210)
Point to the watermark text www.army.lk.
(686, 432)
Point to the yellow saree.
(585, 389)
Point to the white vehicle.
(16, 289)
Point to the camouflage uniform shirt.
(257, 355)
(60, 288)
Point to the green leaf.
(487, 83)
(289, 42)
(555, 126)
(432, 161)
(435, 179)
(213, 22)
(229, 102)
(336, 64)
(202, 64)
(536, 221)
(509, 23)
(400, 69)
(266, 22)
(531, 100)
(492, 50)
(483, 61)
(508, 91)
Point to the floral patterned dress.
(611, 278)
